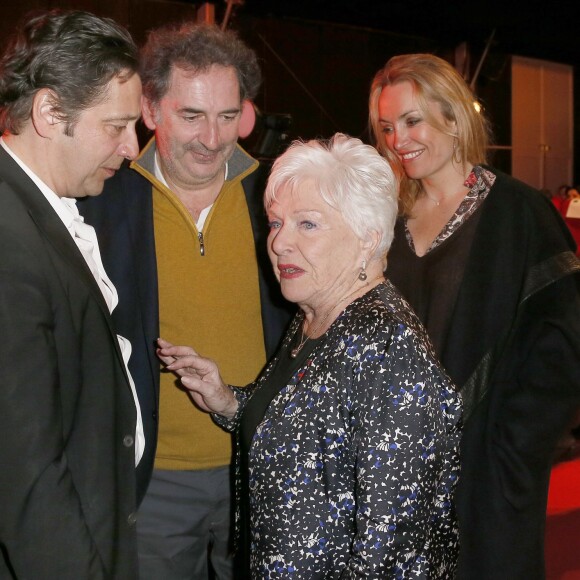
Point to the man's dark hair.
(195, 48)
(74, 54)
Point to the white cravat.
(86, 240)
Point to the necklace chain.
(436, 201)
(304, 338)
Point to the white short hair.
(351, 177)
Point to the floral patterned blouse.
(479, 181)
(353, 468)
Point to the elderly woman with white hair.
(348, 441)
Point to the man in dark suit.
(70, 433)
(183, 236)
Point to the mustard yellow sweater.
(210, 302)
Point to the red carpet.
(563, 523)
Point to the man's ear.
(44, 116)
(247, 119)
(149, 113)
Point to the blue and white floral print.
(354, 466)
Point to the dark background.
(319, 56)
(335, 47)
(544, 30)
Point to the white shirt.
(85, 238)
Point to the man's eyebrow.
(193, 111)
(122, 118)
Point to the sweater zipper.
(201, 244)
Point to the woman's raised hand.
(200, 376)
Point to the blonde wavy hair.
(434, 80)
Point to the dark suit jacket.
(67, 414)
(123, 219)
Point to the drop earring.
(363, 272)
(456, 150)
